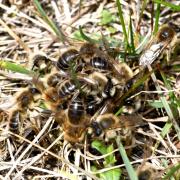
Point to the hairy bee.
(147, 172)
(125, 124)
(41, 63)
(101, 61)
(74, 120)
(111, 121)
(71, 86)
(26, 99)
(95, 58)
(155, 47)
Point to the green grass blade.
(123, 24)
(166, 129)
(157, 15)
(56, 30)
(14, 67)
(131, 36)
(170, 114)
(174, 112)
(166, 104)
(168, 4)
(132, 174)
(168, 86)
(85, 37)
(172, 171)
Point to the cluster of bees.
(79, 89)
(82, 88)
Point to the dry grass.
(44, 153)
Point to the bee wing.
(151, 54)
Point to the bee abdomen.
(67, 58)
(99, 63)
(66, 89)
(76, 111)
(14, 120)
(92, 105)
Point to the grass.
(14, 67)
(121, 19)
(52, 25)
(48, 140)
(168, 4)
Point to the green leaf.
(77, 35)
(103, 149)
(109, 160)
(111, 29)
(14, 67)
(43, 105)
(106, 17)
(93, 168)
(113, 174)
(98, 145)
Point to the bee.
(66, 88)
(108, 127)
(155, 47)
(74, 120)
(41, 63)
(147, 172)
(94, 57)
(48, 94)
(92, 84)
(104, 84)
(69, 59)
(110, 121)
(25, 99)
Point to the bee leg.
(168, 53)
